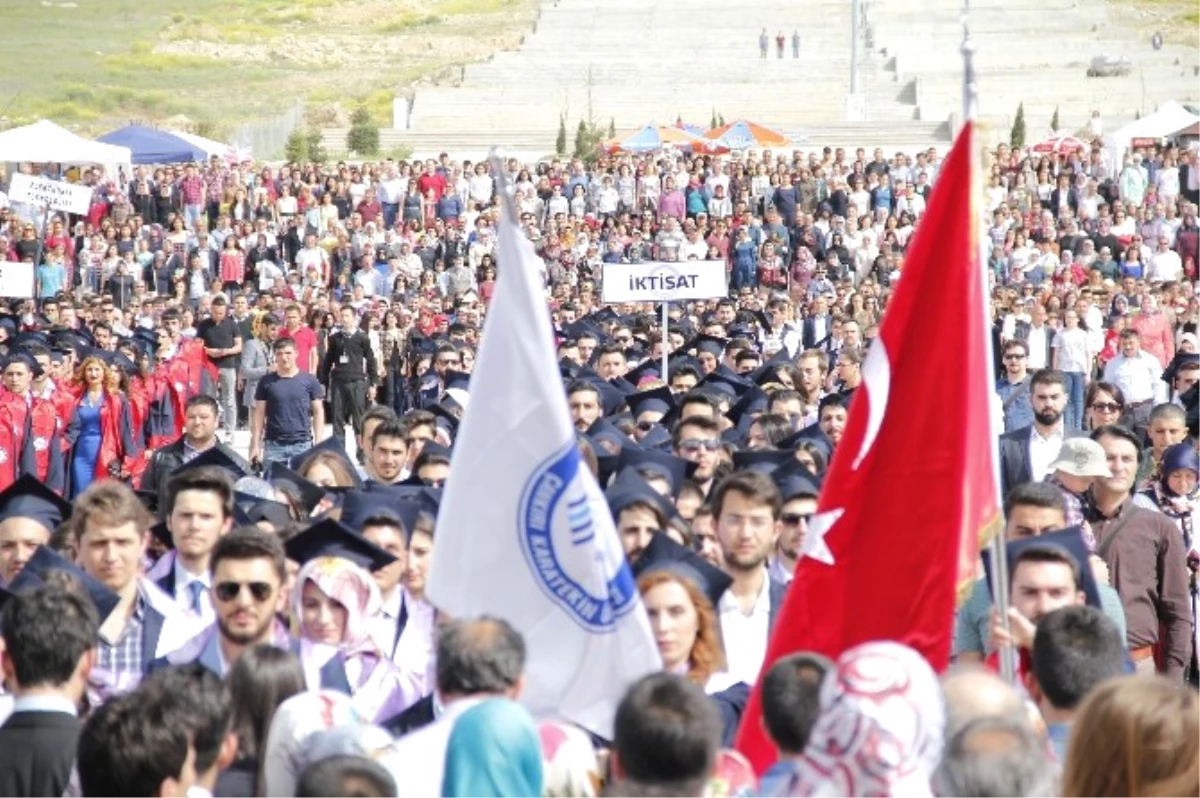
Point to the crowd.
(180, 619)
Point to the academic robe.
(376, 686)
(30, 441)
(117, 444)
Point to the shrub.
(363, 136)
(1017, 137)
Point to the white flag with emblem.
(524, 532)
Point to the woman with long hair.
(99, 432)
(685, 625)
(328, 470)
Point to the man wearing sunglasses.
(697, 439)
(248, 570)
(799, 503)
(1013, 387)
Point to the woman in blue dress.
(99, 432)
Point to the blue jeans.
(283, 452)
(1074, 410)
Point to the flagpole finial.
(967, 49)
(504, 187)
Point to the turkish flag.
(912, 485)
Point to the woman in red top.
(99, 433)
(233, 264)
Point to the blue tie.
(196, 588)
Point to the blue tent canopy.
(153, 146)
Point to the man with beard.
(248, 574)
(1027, 452)
(747, 508)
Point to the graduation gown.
(117, 444)
(378, 689)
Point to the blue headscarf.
(494, 750)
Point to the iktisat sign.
(52, 194)
(657, 281)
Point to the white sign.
(16, 280)
(52, 194)
(658, 281)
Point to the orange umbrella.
(745, 135)
(652, 138)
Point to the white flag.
(524, 532)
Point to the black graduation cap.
(30, 337)
(45, 560)
(654, 400)
(568, 369)
(10, 324)
(1069, 540)
(250, 510)
(763, 320)
(1181, 358)
(581, 329)
(628, 488)
(456, 379)
(29, 498)
(358, 506)
(433, 448)
(611, 398)
(602, 316)
(766, 372)
(429, 499)
(664, 554)
(214, 457)
(706, 343)
(76, 339)
(603, 430)
(658, 439)
(21, 356)
(674, 469)
(795, 482)
(445, 419)
(280, 475)
(762, 460)
(681, 361)
(810, 433)
(623, 385)
(423, 346)
(742, 331)
(333, 446)
(754, 400)
(648, 370)
(329, 538)
(728, 383)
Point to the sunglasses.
(1014, 357)
(793, 519)
(443, 362)
(228, 591)
(1105, 407)
(696, 444)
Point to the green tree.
(712, 123)
(581, 139)
(296, 148)
(363, 136)
(721, 120)
(612, 128)
(1017, 137)
(560, 143)
(316, 147)
(1054, 120)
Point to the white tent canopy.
(46, 142)
(209, 146)
(1170, 118)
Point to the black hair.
(583, 386)
(206, 479)
(1034, 494)
(47, 631)
(1074, 649)
(130, 746)
(349, 776)
(832, 400)
(1047, 553)
(261, 679)
(250, 543)
(479, 656)
(666, 734)
(392, 428)
(1117, 431)
(201, 704)
(202, 399)
(1047, 377)
(790, 699)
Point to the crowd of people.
(181, 618)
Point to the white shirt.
(1139, 378)
(1164, 267)
(418, 760)
(1074, 353)
(1043, 452)
(778, 571)
(745, 636)
(1037, 347)
(183, 593)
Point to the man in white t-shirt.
(1164, 266)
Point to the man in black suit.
(50, 647)
(817, 325)
(1027, 452)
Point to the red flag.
(912, 485)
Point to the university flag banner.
(912, 485)
(524, 532)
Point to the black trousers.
(348, 402)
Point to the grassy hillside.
(96, 64)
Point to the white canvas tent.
(209, 146)
(1169, 119)
(46, 142)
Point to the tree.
(316, 147)
(560, 143)
(1017, 138)
(1054, 120)
(363, 137)
(713, 122)
(721, 120)
(296, 148)
(612, 128)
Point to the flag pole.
(997, 544)
(666, 344)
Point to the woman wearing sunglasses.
(1104, 404)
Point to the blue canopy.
(153, 146)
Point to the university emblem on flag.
(41, 444)
(584, 574)
(3, 455)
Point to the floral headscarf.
(348, 585)
(880, 728)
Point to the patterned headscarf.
(348, 585)
(880, 729)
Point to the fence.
(268, 137)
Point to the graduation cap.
(429, 499)
(611, 398)
(45, 561)
(1177, 363)
(656, 400)
(1069, 540)
(604, 315)
(795, 482)
(29, 498)
(657, 438)
(664, 554)
(754, 400)
(623, 385)
(75, 339)
(329, 538)
(726, 382)
(251, 510)
(630, 488)
(581, 329)
(674, 469)
(811, 433)
(603, 430)
(214, 457)
(445, 419)
(435, 449)
(706, 343)
(649, 369)
(358, 506)
(682, 361)
(456, 379)
(280, 476)
(20, 356)
(568, 369)
(331, 445)
(423, 346)
(763, 461)
(767, 371)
